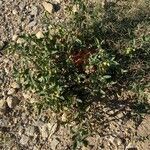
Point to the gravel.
(21, 124)
(18, 17)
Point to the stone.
(15, 85)
(47, 129)
(131, 147)
(64, 117)
(39, 35)
(35, 148)
(34, 11)
(24, 140)
(48, 7)
(118, 141)
(20, 41)
(1, 2)
(120, 115)
(20, 130)
(85, 148)
(14, 12)
(14, 38)
(11, 91)
(26, 95)
(44, 131)
(22, 5)
(52, 128)
(56, 1)
(12, 101)
(54, 144)
(2, 104)
(75, 8)
(112, 139)
(30, 131)
(32, 24)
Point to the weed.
(96, 48)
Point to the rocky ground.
(22, 124)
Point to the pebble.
(32, 24)
(2, 104)
(48, 7)
(112, 139)
(12, 101)
(120, 115)
(15, 85)
(34, 10)
(30, 131)
(20, 41)
(54, 144)
(27, 95)
(11, 91)
(24, 140)
(56, 1)
(118, 141)
(64, 117)
(131, 147)
(74, 9)
(85, 148)
(52, 127)
(14, 12)
(14, 37)
(20, 130)
(39, 35)
(22, 5)
(44, 132)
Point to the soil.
(24, 126)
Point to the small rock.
(27, 95)
(44, 132)
(64, 117)
(6, 60)
(118, 141)
(85, 148)
(14, 38)
(20, 130)
(22, 5)
(12, 101)
(30, 131)
(11, 91)
(56, 1)
(39, 35)
(1, 2)
(54, 144)
(24, 140)
(51, 128)
(112, 139)
(35, 148)
(75, 8)
(34, 10)
(2, 104)
(32, 24)
(120, 115)
(131, 147)
(15, 85)
(20, 41)
(14, 12)
(48, 7)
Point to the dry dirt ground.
(24, 127)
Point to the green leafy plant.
(80, 58)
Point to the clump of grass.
(81, 58)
